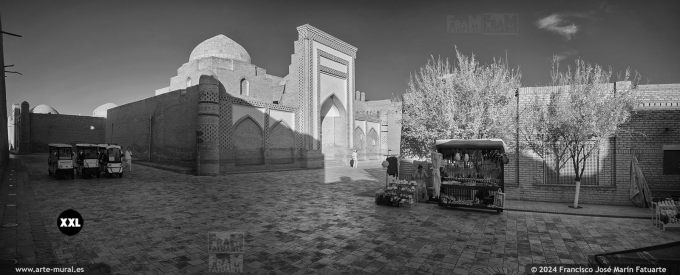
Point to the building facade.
(652, 136)
(222, 114)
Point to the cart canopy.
(471, 144)
(60, 145)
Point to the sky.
(78, 54)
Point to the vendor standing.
(420, 177)
(436, 173)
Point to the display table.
(397, 193)
(472, 196)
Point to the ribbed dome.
(44, 109)
(220, 46)
(101, 110)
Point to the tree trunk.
(577, 193)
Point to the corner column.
(208, 125)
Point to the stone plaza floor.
(305, 221)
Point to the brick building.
(31, 129)
(653, 137)
(221, 113)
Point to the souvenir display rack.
(472, 174)
(665, 214)
(397, 193)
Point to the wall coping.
(574, 186)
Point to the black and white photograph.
(340, 137)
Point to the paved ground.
(309, 221)
(585, 210)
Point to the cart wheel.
(499, 210)
(97, 174)
(120, 175)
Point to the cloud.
(565, 54)
(556, 23)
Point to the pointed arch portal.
(333, 134)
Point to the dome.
(222, 47)
(44, 109)
(101, 110)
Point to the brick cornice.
(307, 31)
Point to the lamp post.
(4, 145)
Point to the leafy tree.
(465, 101)
(573, 119)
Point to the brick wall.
(70, 129)
(172, 117)
(643, 136)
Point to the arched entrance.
(333, 129)
(372, 144)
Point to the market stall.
(472, 173)
(397, 193)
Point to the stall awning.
(471, 144)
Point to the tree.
(468, 100)
(572, 120)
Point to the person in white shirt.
(128, 158)
(355, 158)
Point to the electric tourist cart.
(472, 174)
(111, 161)
(60, 160)
(87, 160)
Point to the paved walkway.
(305, 222)
(586, 210)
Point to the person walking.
(420, 176)
(355, 158)
(128, 158)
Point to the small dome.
(101, 110)
(44, 109)
(222, 47)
